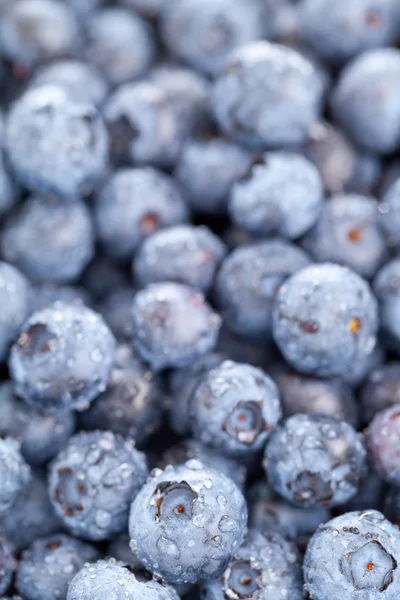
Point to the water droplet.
(102, 518)
(168, 547)
(221, 500)
(226, 524)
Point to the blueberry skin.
(248, 280)
(390, 212)
(31, 516)
(48, 239)
(120, 44)
(302, 394)
(147, 8)
(265, 566)
(7, 564)
(207, 169)
(43, 129)
(92, 482)
(365, 101)
(184, 254)
(14, 473)
(62, 358)
(203, 34)
(282, 196)
(116, 309)
(380, 390)
(8, 189)
(234, 408)
(133, 402)
(382, 437)
(268, 512)
(173, 325)
(313, 460)
(81, 81)
(84, 9)
(391, 508)
(253, 101)
(338, 32)
(134, 204)
(356, 553)
(15, 300)
(112, 579)
(347, 232)
(33, 31)
(45, 294)
(182, 383)
(187, 522)
(370, 493)
(386, 288)
(47, 567)
(325, 319)
(41, 436)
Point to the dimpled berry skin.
(325, 320)
(386, 288)
(234, 408)
(133, 402)
(31, 516)
(14, 473)
(380, 390)
(7, 564)
(134, 204)
(267, 96)
(354, 556)
(390, 213)
(187, 522)
(62, 357)
(347, 232)
(173, 325)
(116, 309)
(248, 281)
(41, 436)
(283, 195)
(55, 145)
(48, 239)
(315, 460)
(15, 300)
(47, 567)
(383, 441)
(113, 580)
(203, 33)
(184, 254)
(366, 102)
(207, 169)
(93, 481)
(265, 566)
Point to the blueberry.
(92, 482)
(116, 309)
(119, 550)
(81, 81)
(355, 553)
(358, 371)
(380, 390)
(14, 474)
(390, 212)
(7, 564)
(182, 383)
(8, 189)
(41, 436)
(234, 408)
(32, 31)
(303, 394)
(134, 204)
(203, 33)
(48, 566)
(339, 31)
(133, 402)
(391, 508)
(31, 516)
(84, 9)
(187, 522)
(347, 232)
(45, 294)
(365, 101)
(383, 435)
(62, 357)
(265, 566)
(248, 281)
(49, 240)
(120, 44)
(367, 174)
(207, 169)
(267, 96)
(56, 145)
(369, 495)
(111, 579)
(173, 325)
(283, 195)
(184, 254)
(387, 291)
(15, 302)
(325, 320)
(313, 460)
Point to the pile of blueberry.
(200, 299)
